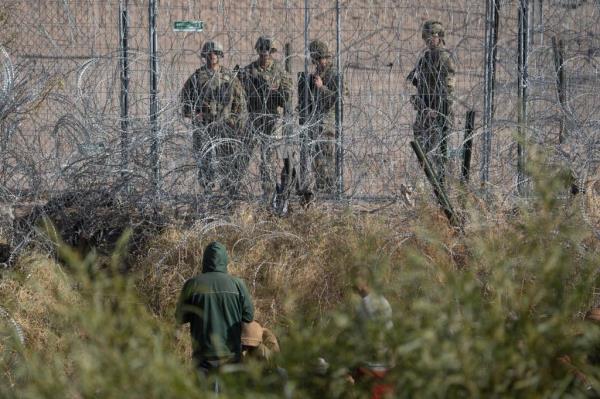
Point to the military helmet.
(318, 50)
(432, 28)
(212, 47)
(265, 43)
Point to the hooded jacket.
(215, 304)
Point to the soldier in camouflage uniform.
(269, 91)
(318, 113)
(213, 98)
(433, 76)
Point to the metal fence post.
(339, 139)
(124, 95)
(289, 178)
(305, 160)
(558, 49)
(491, 41)
(541, 20)
(523, 78)
(154, 149)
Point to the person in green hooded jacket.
(215, 304)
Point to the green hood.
(215, 258)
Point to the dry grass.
(299, 266)
(298, 263)
(299, 270)
(40, 291)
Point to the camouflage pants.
(323, 161)
(431, 129)
(218, 157)
(261, 136)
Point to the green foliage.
(111, 346)
(494, 325)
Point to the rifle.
(305, 105)
(256, 87)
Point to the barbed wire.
(61, 95)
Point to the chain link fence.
(71, 119)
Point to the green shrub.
(484, 314)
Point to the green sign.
(188, 26)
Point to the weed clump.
(485, 313)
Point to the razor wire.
(62, 74)
(17, 331)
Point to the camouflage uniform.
(319, 116)
(265, 107)
(217, 103)
(433, 76)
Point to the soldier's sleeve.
(413, 76)
(449, 73)
(329, 93)
(239, 111)
(285, 86)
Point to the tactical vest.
(430, 78)
(257, 83)
(212, 94)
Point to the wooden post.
(287, 48)
(467, 145)
(438, 189)
(288, 172)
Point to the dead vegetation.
(299, 271)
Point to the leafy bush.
(487, 313)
